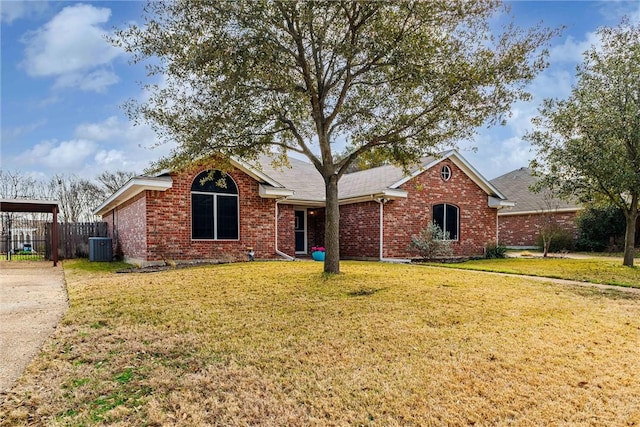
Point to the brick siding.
(129, 236)
(523, 230)
(156, 225)
(360, 230)
(167, 230)
(404, 218)
(286, 237)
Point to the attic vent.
(445, 173)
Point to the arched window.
(214, 207)
(447, 217)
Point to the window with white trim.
(445, 173)
(214, 207)
(447, 217)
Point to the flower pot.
(317, 256)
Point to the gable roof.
(515, 185)
(132, 188)
(301, 183)
(302, 177)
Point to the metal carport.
(41, 206)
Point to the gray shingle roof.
(309, 185)
(515, 186)
(369, 181)
(302, 177)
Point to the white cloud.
(59, 156)
(613, 11)
(571, 50)
(96, 81)
(72, 48)
(103, 131)
(10, 134)
(111, 159)
(122, 145)
(13, 10)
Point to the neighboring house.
(520, 226)
(280, 212)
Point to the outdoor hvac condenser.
(100, 249)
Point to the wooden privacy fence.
(73, 238)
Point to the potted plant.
(317, 253)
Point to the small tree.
(432, 242)
(589, 144)
(549, 228)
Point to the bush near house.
(496, 251)
(432, 243)
(561, 240)
(601, 229)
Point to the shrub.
(600, 229)
(432, 242)
(496, 251)
(561, 240)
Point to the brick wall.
(286, 223)
(156, 225)
(169, 222)
(523, 230)
(360, 230)
(406, 217)
(315, 228)
(130, 237)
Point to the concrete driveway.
(33, 299)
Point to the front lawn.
(594, 270)
(277, 343)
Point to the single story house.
(279, 212)
(519, 226)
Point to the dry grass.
(593, 270)
(279, 344)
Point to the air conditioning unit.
(100, 249)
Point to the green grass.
(593, 270)
(83, 264)
(380, 345)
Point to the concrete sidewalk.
(33, 299)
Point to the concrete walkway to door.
(33, 299)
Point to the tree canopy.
(401, 79)
(589, 144)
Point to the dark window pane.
(201, 216)
(227, 216)
(438, 216)
(219, 183)
(452, 222)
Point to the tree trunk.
(546, 244)
(332, 226)
(630, 232)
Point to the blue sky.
(63, 86)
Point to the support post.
(54, 236)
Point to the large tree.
(589, 144)
(244, 78)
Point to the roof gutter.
(540, 211)
(132, 188)
(497, 203)
(387, 194)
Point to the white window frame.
(306, 223)
(444, 219)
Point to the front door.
(301, 231)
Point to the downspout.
(498, 226)
(278, 252)
(381, 201)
